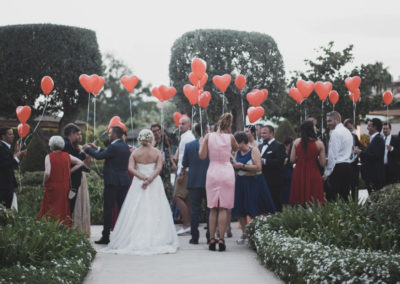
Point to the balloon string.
(130, 109)
(201, 122)
(162, 128)
(223, 103)
(87, 119)
(94, 118)
(192, 114)
(241, 100)
(387, 113)
(37, 124)
(354, 113)
(322, 116)
(19, 171)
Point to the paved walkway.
(191, 264)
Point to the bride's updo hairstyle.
(225, 121)
(145, 137)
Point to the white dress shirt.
(340, 148)
(264, 148)
(185, 138)
(387, 142)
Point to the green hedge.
(33, 251)
(334, 243)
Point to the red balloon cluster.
(129, 82)
(257, 97)
(116, 121)
(255, 113)
(198, 77)
(92, 84)
(387, 98)
(23, 114)
(47, 85)
(355, 96)
(163, 93)
(353, 84)
(177, 116)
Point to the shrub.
(297, 261)
(284, 130)
(33, 251)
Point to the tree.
(114, 100)
(29, 52)
(254, 55)
(331, 65)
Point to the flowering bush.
(33, 251)
(297, 261)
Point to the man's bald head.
(184, 124)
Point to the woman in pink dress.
(220, 182)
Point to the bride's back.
(146, 155)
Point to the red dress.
(307, 184)
(55, 202)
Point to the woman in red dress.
(307, 152)
(55, 202)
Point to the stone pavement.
(191, 264)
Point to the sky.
(141, 33)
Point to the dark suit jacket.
(115, 169)
(197, 167)
(273, 169)
(7, 166)
(393, 165)
(356, 142)
(372, 160)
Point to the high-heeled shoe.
(212, 244)
(221, 245)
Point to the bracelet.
(243, 167)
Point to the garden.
(335, 243)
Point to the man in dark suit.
(196, 181)
(272, 159)
(372, 168)
(392, 155)
(115, 173)
(8, 162)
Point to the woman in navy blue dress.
(252, 196)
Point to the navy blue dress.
(252, 196)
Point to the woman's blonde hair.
(225, 121)
(145, 137)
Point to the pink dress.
(220, 183)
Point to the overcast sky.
(141, 33)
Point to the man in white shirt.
(392, 155)
(338, 168)
(181, 193)
(8, 162)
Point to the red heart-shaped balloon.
(387, 98)
(191, 93)
(193, 79)
(203, 80)
(355, 96)
(89, 82)
(305, 88)
(265, 93)
(222, 82)
(129, 82)
(204, 99)
(333, 97)
(23, 113)
(156, 92)
(23, 129)
(177, 117)
(352, 83)
(240, 82)
(167, 92)
(295, 94)
(98, 85)
(114, 121)
(323, 89)
(255, 113)
(47, 85)
(255, 98)
(198, 68)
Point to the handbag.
(72, 191)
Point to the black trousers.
(112, 194)
(355, 180)
(276, 196)
(340, 182)
(391, 174)
(6, 197)
(197, 195)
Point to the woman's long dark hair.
(307, 131)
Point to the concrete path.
(191, 264)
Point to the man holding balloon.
(8, 161)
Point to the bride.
(145, 225)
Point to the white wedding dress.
(145, 225)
